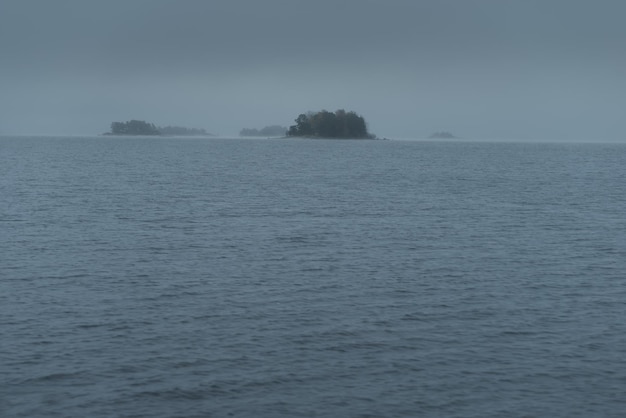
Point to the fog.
(483, 69)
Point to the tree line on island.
(140, 127)
(322, 124)
(325, 124)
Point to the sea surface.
(165, 277)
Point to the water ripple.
(171, 279)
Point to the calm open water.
(144, 277)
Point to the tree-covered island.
(133, 127)
(182, 131)
(324, 124)
(140, 127)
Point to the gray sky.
(509, 69)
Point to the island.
(442, 135)
(182, 131)
(324, 124)
(272, 130)
(140, 127)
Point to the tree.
(302, 127)
(325, 125)
(355, 126)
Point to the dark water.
(286, 278)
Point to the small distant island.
(442, 135)
(182, 131)
(324, 124)
(140, 127)
(273, 130)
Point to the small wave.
(55, 377)
(89, 326)
(177, 394)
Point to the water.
(282, 278)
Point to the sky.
(481, 69)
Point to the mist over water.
(191, 277)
